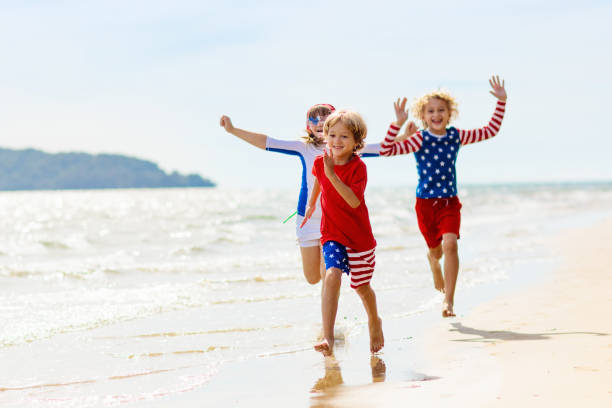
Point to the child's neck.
(437, 134)
(341, 160)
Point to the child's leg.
(451, 270)
(428, 225)
(368, 297)
(433, 256)
(313, 265)
(329, 308)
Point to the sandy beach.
(546, 345)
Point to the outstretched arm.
(256, 139)
(345, 191)
(489, 131)
(312, 202)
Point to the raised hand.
(401, 113)
(411, 129)
(226, 123)
(328, 163)
(498, 88)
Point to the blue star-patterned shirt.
(436, 164)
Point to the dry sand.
(547, 345)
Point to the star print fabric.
(436, 165)
(336, 257)
(359, 265)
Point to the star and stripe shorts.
(358, 265)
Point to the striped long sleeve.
(487, 132)
(389, 148)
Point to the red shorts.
(438, 216)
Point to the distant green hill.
(32, 169)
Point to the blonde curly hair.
(418, 106)
(353, 121)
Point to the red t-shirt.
(341, 223)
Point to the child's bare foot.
(436, 270)
(447, 310)
(325, 347)
(377, 339)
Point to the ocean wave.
(56, 245)
(259, 299)
(190, 250)
(250, 279)
(179, 352)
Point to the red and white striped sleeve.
(388, 147)
(487, 132)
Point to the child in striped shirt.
(436, 147)
(346, 233)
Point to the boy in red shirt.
(346, 234)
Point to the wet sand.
(546, 345)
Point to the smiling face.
(316, 118)
(340, 141)
(436, 115)
(315, 124)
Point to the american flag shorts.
(359, 265)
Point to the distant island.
(32, 169)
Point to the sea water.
(114, 296)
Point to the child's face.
(340, 141)
(436, 115)
(315, 123)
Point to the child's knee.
(449, 246)
(436, 252)
(313, 279)
(363, 290)
(333, 275)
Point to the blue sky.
(151, 79)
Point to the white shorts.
(310, 234)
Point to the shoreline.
(539, 345)
(406, 357)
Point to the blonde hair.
(353, 121)
(418, 106)
(321, 109)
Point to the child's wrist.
(332, 176)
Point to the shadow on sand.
(504, 335)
